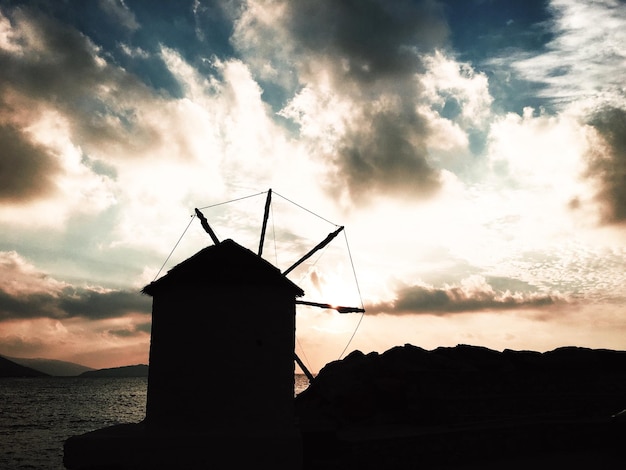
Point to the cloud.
(357, 64)
(90, 135)
(26, 292)
(585, 58)
(384, 151)
(119, 12)
(473, 294)
(368, 40)
(27, 170)
(101, 139)
(458, 91)
(607, 163)
(52, 61)
(18, 277)
(22, 343)
(131, 331)
(51, 67)
(97, 304)
(529, 151)
(55, 107)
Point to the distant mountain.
(139, 370)
(52, 366)
(9, 368)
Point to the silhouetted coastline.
(40, 367)
(9, 368)
(138, 370)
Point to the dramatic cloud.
(365, 41)
(27, 171)
(27, 293)
(51, 68)
(54, 63)
(51, 86)
(607, 163)
(474, 294)
(96, 304)
(579, 73)
(72, 123)
(358, 63)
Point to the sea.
(38, 414)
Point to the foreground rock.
(466, 407)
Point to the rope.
(360, 297)
(306, 359)
(305, 209)
(313, 264)
(168, 256)
(233, 200)
(353, 269)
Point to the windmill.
(222, 349)
(317, 248)
(221, 366)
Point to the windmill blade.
(207, 227)
(321, 245)
(265, 216)
(303, 367)
(339, 308)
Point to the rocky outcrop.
(411, 400)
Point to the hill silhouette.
(9, 368)
(138, 370)
(40, 367)
(53, 367)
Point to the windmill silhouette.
(320, 246)
(221, 367)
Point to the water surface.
(37, 415)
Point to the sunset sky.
(474, 150)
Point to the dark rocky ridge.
(462, 405)
(138, 370)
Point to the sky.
(474, 151)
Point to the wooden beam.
(265, 216)
(206, 227)
(320, 245)
(303, 367)
(339, 308)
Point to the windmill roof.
(224, 263)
